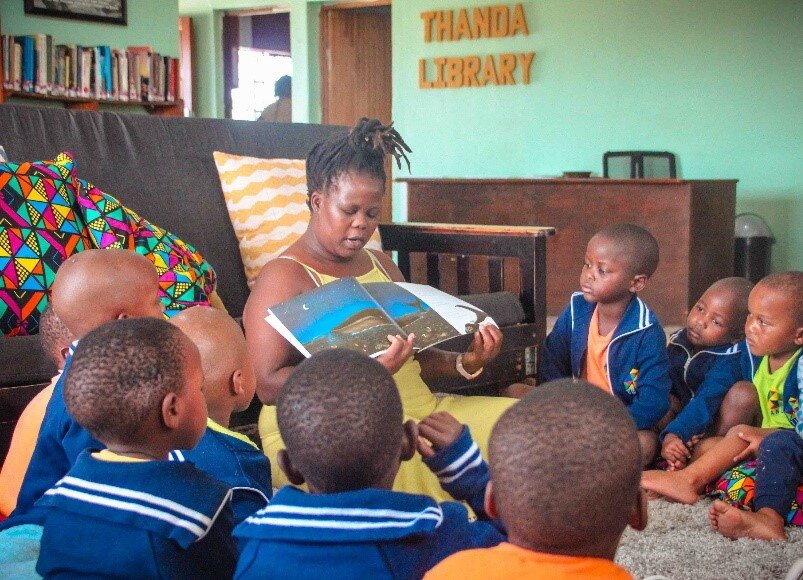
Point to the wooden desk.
(691, 219)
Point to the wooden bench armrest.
(526, 243)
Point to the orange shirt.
(26, 431)
(509, 561)
(595, 370)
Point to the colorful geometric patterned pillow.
(737, 487)
(267, 203)
(39, 229)
(185, 278)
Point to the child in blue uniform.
(772, 361)
(340, 417)
(229, 386)
(608, 336)
(555, 530)
(126, 510)
(703, 366)
(90, 289)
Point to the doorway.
(256, 53)
(355, 57)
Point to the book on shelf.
(347, 314)
(35, 63)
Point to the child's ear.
(63, 353)
(799, 336)
(638, 282)
(171, 410)
(490, 501)
(294, 476)
(638, 513)
(409, 438)
(236, 387)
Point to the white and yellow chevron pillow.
(267, 203)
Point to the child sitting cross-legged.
(229, 386)
(609, 337)
(340, 417)
(703, 366)
(564, 488)
(126, 510)
(773, 362)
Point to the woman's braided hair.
(362, 150)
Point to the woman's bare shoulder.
(281, 278)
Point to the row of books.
(35, 64)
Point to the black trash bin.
(753, 247)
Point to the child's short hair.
(790, 284)
(740, 289)
(639, 245)
(54, 335)
(566, 465)
(340, 417)
(121, 372)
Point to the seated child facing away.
(126, 510)
(772, 360)
(341, 419)
(568, 525)
(609, 337)
(229, 386)
(703, 366)
(90, 289)
(55, 339)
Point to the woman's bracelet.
(458, 364)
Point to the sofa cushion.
(185, 278)
(39, 229)
(267, 204)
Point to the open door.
(356, 67)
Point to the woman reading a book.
(346, 183)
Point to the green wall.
(717, 82)
(157, 28)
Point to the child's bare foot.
(733, 523)
(670, 485)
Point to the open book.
(347, 314)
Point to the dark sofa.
(161, 166)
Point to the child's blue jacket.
(700, 380)
(236, 462)
(370, 533)
(638, 365)
(793, 386)
(150, 519)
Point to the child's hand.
(439, 429)
(397, 353)
(675, 452)
(484, 348)
(753, 436)
(695, 439)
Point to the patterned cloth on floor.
(737, 487)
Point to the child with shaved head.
(772, 362)
(229, 386)
(565, 470)
(609, 337)
(340, 417)
(703, 366)
(123, 509)
(90, 289)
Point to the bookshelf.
(165, 108)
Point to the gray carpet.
(680, 543)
